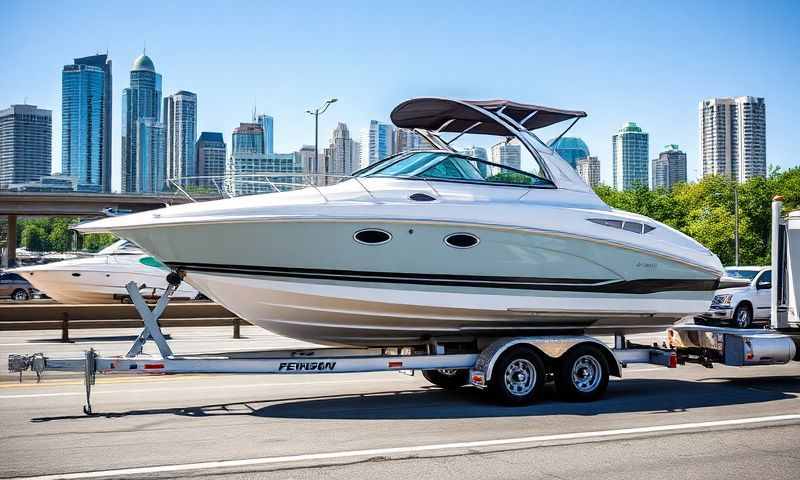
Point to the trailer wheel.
(447, 378)
(517, 377)
(582, 374)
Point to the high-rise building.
(507, 154)
(476, 152)
(311, 164)
(25, 144)
(630, 156)
(151, 167)
(480, 153)
(571, 149)
(377, 142)
(180, 119)
(211, 154)
(407, 140)
(248, 138)
(340, 156)
(266, 123)
(242, 169)
(733, 137)
(86, 91)
(669, 168)
(589, 170)
(141, 104)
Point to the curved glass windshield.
(452, 167)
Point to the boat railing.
(207, 187)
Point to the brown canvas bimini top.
(432, 113)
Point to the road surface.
(690, 422)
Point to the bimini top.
(447, 115)
(431, 116)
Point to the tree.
(59, 236)
(34, 238)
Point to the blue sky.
(649, 62)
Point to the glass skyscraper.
(266, 123)
(86, 123)
(377, 142)
(151, 168)
(571, 149)
(180, 120)
(248, 138)
(630, 152)
(140, 102)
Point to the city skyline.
(231, 87)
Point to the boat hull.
(309, 279)
(349, 313)
(98, 286)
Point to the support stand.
(150, 318)
(151, 331)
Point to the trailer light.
(748, 350)
(395, 364)
(153, 366)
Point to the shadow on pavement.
(631, 395)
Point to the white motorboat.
(434, 244)
(101, 278)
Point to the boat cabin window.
(453, 167)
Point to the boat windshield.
(447, 166)
(121, 247)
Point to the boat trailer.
(690, 343)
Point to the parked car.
(741, 307)
(16, 287)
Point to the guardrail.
(65, 317)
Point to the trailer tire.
(447, 378)
(518, 376)
(582, 374)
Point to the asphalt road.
(685, 423)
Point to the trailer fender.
(551, 346)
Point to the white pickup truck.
(742, 306)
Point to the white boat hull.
(101, 279)
(343, 313)
(99, 286)
(396, 293)
(290, 263)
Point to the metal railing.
(17, 317)
(234, 185)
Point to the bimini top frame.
(431, 116)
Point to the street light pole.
(316, 113)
